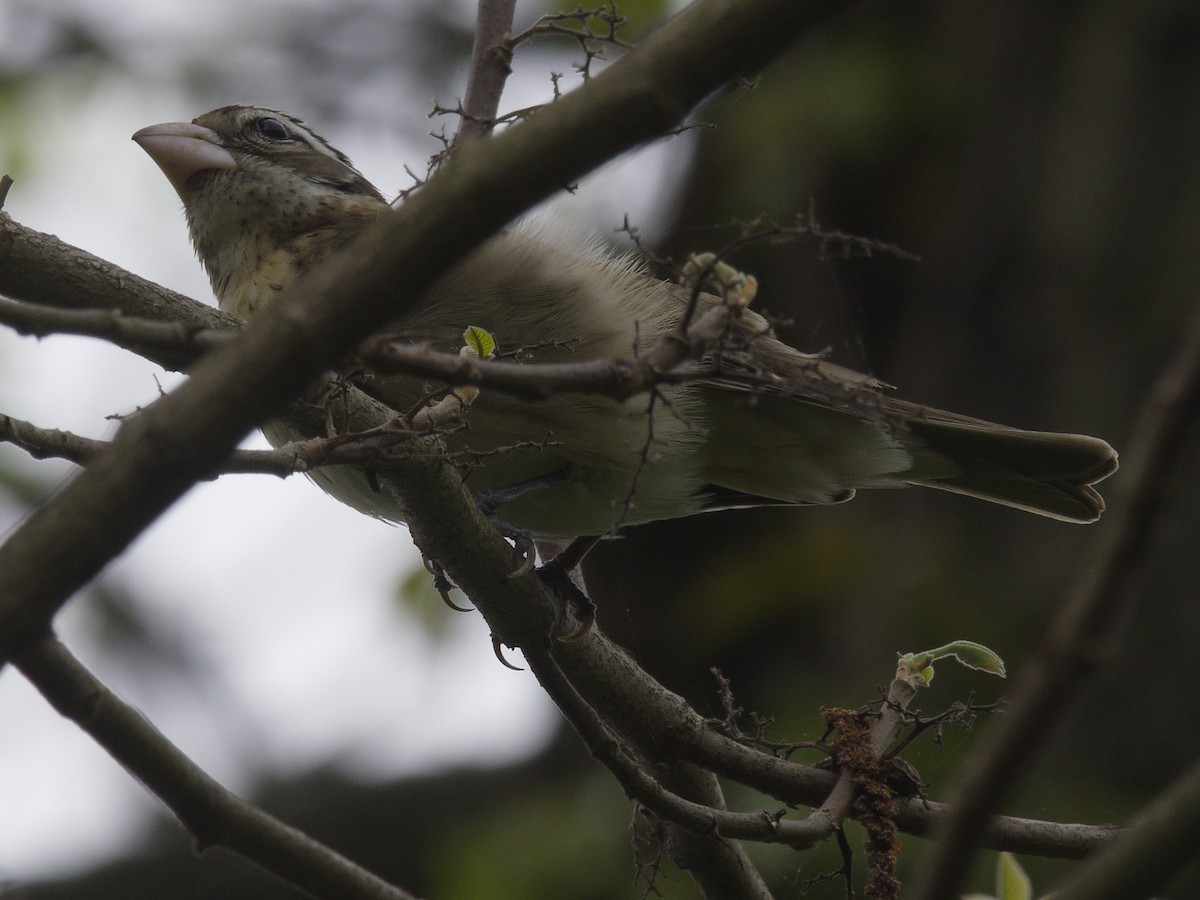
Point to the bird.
(756, 422)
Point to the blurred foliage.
(1044, 162)
(553, 841)
(421, 599)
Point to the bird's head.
(253, 181)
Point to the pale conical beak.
(183, 150)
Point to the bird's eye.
(273, 129)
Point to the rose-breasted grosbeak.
(267, 198)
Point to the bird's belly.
(605, 464)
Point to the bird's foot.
(562, 575)
(493, 498)
(441, 583)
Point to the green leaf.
(480, 343)
(974, 656)
(1011, 881)
(967, 653)
(732, 285)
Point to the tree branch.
(1082, 633)
(615, 378)
(48, 443)
(173, 342)
(883, 732)
(490, 59)
(796, 784)
(176, 346)
(374, 447)
(78, 280)
(1143, 859)
(210, 813)
(665, 728)
(719, 866)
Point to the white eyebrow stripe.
(310, 138)
(315, 141)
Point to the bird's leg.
(562, 574)
(569, 557)
(488, 501)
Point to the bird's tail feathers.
(1039, 472)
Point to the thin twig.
(615, 378)
(591, 42)
(180, 344)
(375, 446)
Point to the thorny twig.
(730, 725)
(591, 41)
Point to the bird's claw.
(498, 649)
(524, 546)
(490, 500)
(442, 584)
(578, 608)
